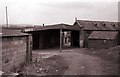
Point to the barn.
(16, 49)
(103, 39)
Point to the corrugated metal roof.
(55, 26)
(103, 35)
(11, 32)
(99, 25)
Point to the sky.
(38, 12)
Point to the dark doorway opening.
(75, 38)
(36, 41)
(119, 38)
(45, 39)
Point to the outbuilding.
(87, 27)
(16, 49)
(103, 39)
(50, 36)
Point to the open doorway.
(71, 38)
(75, 39)
(67, 38)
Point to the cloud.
(57, 11)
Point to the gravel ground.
(75, 62)
(54, 65)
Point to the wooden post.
(79, 38)
(60, 40)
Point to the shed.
(50, 36)
(16, 48)
(102, 39)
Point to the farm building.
(51, 36)
(16, 48)
(103, 39)
(88, 27)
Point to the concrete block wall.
(99, 44)
(13, 52)
(87, 33)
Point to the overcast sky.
(57, 11)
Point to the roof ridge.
(97, 21)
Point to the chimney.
(75, 18)
(43, 25)
(6, 17)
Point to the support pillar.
(29, 49)
(81, 38)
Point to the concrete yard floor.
(84, 64)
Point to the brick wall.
(13, 52)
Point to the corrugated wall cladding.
(13, 52)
